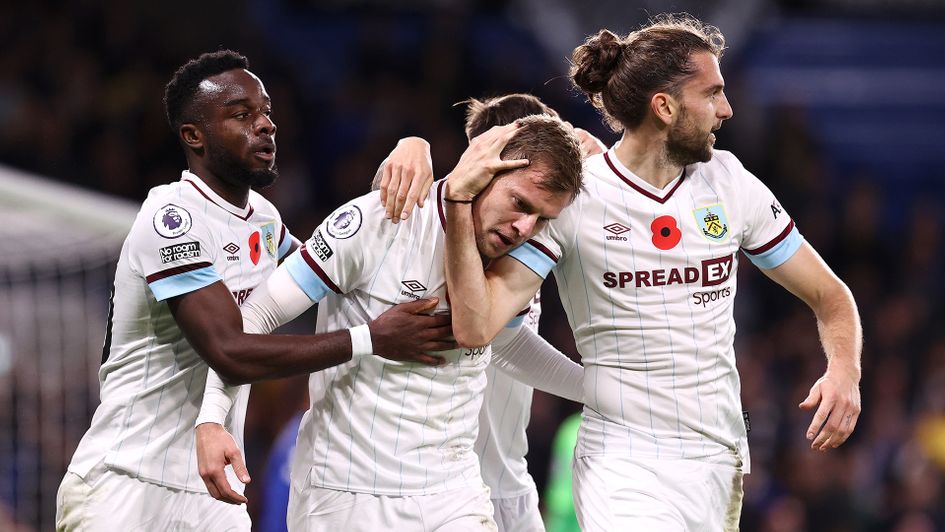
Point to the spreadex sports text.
(713, 272)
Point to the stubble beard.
(232, 170)
(686, 145)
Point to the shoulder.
(596, 165)
(261, 204)
(724, 164)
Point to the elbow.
(469, 338)
(233, 376)
(226, 363)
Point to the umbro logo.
(232, 250)
(616, 229)
(413, 286)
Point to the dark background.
(838, 107)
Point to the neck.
(236, 195)
(645, 156)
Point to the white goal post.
(59, 247)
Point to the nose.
(526, 226)
(725, 109)
(265, 125)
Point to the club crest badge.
(344, 222)
(712, 222)
(171, 221)
(268, 234)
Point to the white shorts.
(106, 500)
(326, 510)
(518, 514)
(614, 493)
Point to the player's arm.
(404, 178)
(526, 357)
(213, 325)
(275, 302)
(590, 145)
(837, 392)
(482, 302)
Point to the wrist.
(361, 344)
(454, 194)
(845, 368)
(419, 141)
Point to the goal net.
(60, 245)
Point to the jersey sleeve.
(542, 252)
(285, 241)
(770, 237)
(339, 252)
(172, 248)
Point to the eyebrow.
(715, 87)
(243, 101)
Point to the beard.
(686, 145)
(234, 171)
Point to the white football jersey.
(506, 408)
(647, 278)
(375, 425)
(184, 238)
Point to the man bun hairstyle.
(619, 76)
(482, 115)
(546, 140)
(179, 92)
(594, 62)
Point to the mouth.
(265, 152)
(506, 241)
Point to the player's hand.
(838, 394)
(590, 145)
(405, 178)
(481, 162)
(403, 332)
(215, 449)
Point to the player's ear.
(191, 135)
(664, 107)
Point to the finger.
(392, 187)
(427, 183)
(385, 179)
(418, 306)
(212, 488)
(437, 320)
(812, 398)
(817, 425)
(439, 345)
(403, 194)
(832, 434)
(239, 467)
(225, 492)
(438, 332)
(512, 164)
(847, 424)
(505, 134)
(231, 496)
(413, 197)
(429, 360)
(829, 433)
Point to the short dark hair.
(179, 92)
(481, 115)
(546, 140)
(620, 75)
